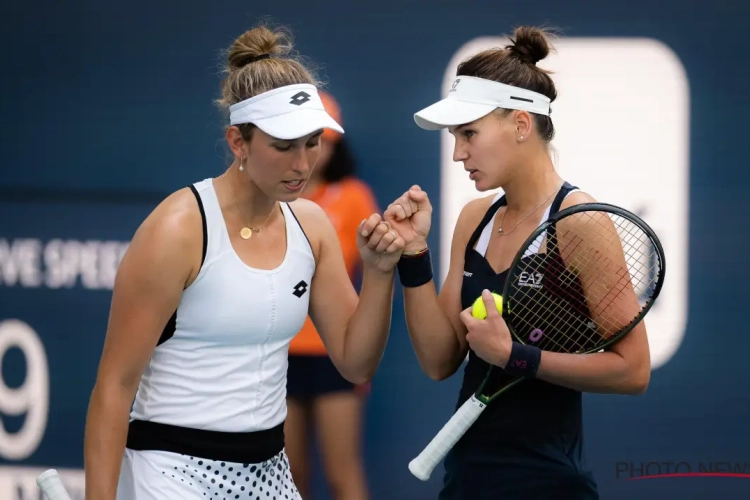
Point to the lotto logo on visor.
(280, 112)
(471, 98)
(300, 98)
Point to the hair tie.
(252, 59)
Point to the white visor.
(286, 113)
(471, 98)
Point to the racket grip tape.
(52, 486)
(423, 465)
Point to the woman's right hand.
(411, 216)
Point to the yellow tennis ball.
(478, 310)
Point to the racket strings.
(561, 310)
(559, 317)
(578, 297)
(562, 317)
(565, 320)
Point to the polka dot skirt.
(270, 480)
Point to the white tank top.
(224, 368)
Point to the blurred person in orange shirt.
(319, 399)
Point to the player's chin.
(481, 184)
(484, 183)
(290, 191)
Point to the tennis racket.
(52, 486)
(581, 282)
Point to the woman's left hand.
(489, 338)
(379, 245)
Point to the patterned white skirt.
(162, 475)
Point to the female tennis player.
(321, 403)
(528, 444)
(216, 282)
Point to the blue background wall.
(107, 106)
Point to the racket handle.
(51, 485)
(423, 465)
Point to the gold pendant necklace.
(247, 231)
(500, 226)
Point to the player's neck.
(254, 203)
(533, 182)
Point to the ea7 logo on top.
(533, 280)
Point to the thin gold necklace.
(247, 231)
(500, 228)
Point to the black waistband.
(238, 447)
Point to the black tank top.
(528, 443)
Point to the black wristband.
(414, 271)
(524, 360)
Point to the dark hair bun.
(257, 42)
(530, 44)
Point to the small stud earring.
(520, 138)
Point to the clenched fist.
(411, 216)
(379, 245)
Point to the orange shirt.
(346, 203)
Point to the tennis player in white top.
(189, 400)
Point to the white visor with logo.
(471, 98)
(285, 113)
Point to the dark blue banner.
(58, 260)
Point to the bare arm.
(612, 303)
(353, 329)
(435, 328)
(149, 283)
(436, 332)
(624, 370)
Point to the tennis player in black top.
(529, 443)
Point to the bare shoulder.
(176, 217)
(577, 198)
(314, 221)
(309, 213)
(584, 228)
(472, 213)
(173, 230)
(479, 206)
